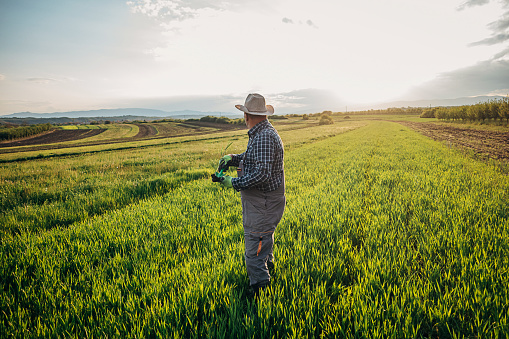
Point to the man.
(261, 181)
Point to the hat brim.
(269, 111)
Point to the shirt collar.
(258, 127)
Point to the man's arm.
(263, 156)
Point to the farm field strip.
(386, 234)
(72, 127)
(115, 131)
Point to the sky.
(207, 55)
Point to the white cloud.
(42, 80)
(472, 3)
(2, 77)
(501, 92)
(499, 27)
(166, 9)
(50, 80)
(169, 10)
(310, 23)
(483, 78)
(493, 40)
(501, 54)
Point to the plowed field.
(145, 131)
(54, 136)
(487, 143)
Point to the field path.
(482, 142)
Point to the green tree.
(428, 113)
(472, 112)
(504, 109)
(462, 113)
(492, 109)
(442, 113)
(483, 111)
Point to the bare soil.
(145, 131)
(493, 144)
(54, 136)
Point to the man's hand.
(224, 163)
(226, 181)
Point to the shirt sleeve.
(236, 158)
(262, 155)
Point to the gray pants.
(261, 212)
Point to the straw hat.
(255, 104)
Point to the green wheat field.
(386, 234)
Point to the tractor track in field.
(484, 143)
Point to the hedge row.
(489, 110)
(10, 133)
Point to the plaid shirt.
(263, 160)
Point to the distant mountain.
(106, 113)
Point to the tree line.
(219, 120)
(390, 111)
(10, 133)
(497, 109)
